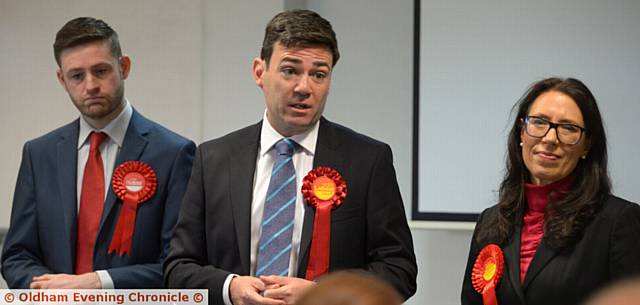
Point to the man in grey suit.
(234, 202)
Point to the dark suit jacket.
(43, 229)
(368, 231)
(608, 250)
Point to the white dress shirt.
(302, 163)
(109, 150)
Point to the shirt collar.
(116, 129)
(269, 137)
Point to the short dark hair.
(295, 28)
(565, 218)
(84, 30)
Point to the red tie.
(91, 204)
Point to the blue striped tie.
(277, 220)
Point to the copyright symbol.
(9, 297)
(197, 297)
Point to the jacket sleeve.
(389, 242)
(21, 255)
(624, 251)
(187, 264)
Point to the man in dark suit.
(234, 200)
(67, 228)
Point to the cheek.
(74, 91)
(572, 159)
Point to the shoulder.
(349, 137)
(156, 132)
(233, 142)
(50, 139)
(615, 208)
(488, 213)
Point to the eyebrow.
(563, 121)
(97, 65)
(317, 63)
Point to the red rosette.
(321, 173)
(487, 272)
(133, 182)
(324, 189)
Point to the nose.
(551, 136)
(91, 84)
(302, 88)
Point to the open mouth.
(300, 106)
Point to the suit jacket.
(368, 231)
(608, 250)
(42, 234)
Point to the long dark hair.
(566, 217)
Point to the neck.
(538, 196)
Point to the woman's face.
(547, 159)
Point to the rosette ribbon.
(133, 182)
(487, 272)
(324, 189)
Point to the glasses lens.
(569, 134)
(539, 127)
(536, 127)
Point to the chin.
(544, 176)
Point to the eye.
(570, 128)
(320, 75)
(76, 76)
(101, 71)
(288, 71)
(537, 121)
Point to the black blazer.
(368, 231)
(608, 250)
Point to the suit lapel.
(67, 164)
(242, 167)
(132, 147)
(326, 154)
(542, 257)
(512, 258)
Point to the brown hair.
(351, 288)
(84, 30)
(566, 218)
(295, 28)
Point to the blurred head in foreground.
(351, 288)
(623, 293)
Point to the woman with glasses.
(561, 234)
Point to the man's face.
(295, 84)
(94, 79)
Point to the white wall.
(192, 63)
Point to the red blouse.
(533, 220)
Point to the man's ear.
(60, 77)
(125, 66)
(259, 67)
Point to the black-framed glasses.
(538, 127)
